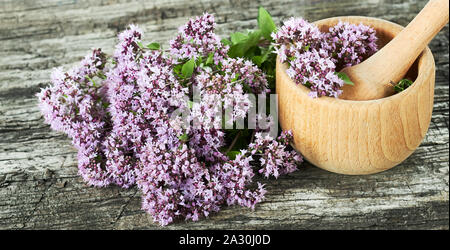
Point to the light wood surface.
(39, 185)
(373, 78)
(358, 137)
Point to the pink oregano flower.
(119, 113)
(313, 56)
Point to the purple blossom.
(274, 156)
(197, 39)
(73, 104)
(313, 57)
(350, 44)
(123, 120)
(296, 35)
(123, 96)
(316, 70)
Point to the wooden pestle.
(373, 77)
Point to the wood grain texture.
(359, 137)
(39, 187)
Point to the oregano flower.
(122, 118)
(314, 57)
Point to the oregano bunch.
(148, 117)
(314, 57)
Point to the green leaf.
(405, 82)
(188, 68)
(238, 37)
(91, 80)
(101, 75)
(105, 105)
(210, 59)
(258, 60)
(247, 88)
(225, 41)
(306, 48)
(266, 54)
(98, 158)
(190, 104)
(177, 69)
(252, 51)
(232, 154)
(402, 85)
(140, 45)
(237, 50)
(154, 46)
(262, 56)
(265, 23)
(254, 37)
(199, 61)
(183, 137)
(240, 49)
(236, 77)
(344, 77)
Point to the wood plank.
(39, 186)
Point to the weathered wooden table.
(39, 186)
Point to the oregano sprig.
(401, 85)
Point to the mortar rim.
(425, 58)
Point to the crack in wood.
(413, 195)
(124, 206)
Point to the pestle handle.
(373, 76)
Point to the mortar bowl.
(359, 137)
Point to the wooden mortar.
(359, 137)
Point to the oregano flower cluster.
(127, 114)
(76, 105)
(314, 57)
